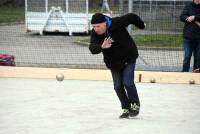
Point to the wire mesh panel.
(36, 5)
(163, 32)
(77, 6)
(57, 3)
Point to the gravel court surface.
(35, 106)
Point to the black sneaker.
(134, 110)
(125, 114)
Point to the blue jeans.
(191, 47)
(124, 86)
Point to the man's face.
(197, 2)
(99, 28)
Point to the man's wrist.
(102, 46)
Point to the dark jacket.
(123, 49)
(191, 30)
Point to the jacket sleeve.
(131, 18)
(197, 18)
(95, 46)
(184, 14)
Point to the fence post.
(46, 6)
(26, 9)
(67, 6)
(121, 5)
(87, 7)
(130, 10)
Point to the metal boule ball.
(60, 77)
(191, 81)
(152, 80)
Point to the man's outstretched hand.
(107, 43)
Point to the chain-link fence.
(160, 44)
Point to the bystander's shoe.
(196, 70)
